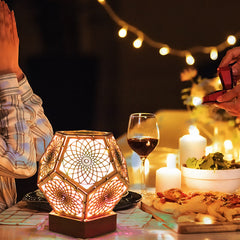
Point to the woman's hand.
(9, 42)
(230, 101)
(232, 57)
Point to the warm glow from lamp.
(83, 175)
(231, 40)
(164, 51)
(122, 33)
(214, 54)
(137, 43)
(190, 59)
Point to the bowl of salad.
(211, 173)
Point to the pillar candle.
(192, 145)
(228, 147)
(168, 177)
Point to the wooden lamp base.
(82, 229)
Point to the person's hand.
(232, 57)
(230, 101)
(9, 42)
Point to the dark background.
(89, 78)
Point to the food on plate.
(213, 161)
(220, 207)
(168, 207)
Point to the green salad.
(213, 161)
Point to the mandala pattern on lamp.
(105, 197)
(64, 198)
(92, 165)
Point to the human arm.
(38, 123)
(18, 152)
(232, 57)
(230, 101)
(9, 42)
(22, 121)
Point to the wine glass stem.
(142, 174)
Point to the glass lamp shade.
(83, 174)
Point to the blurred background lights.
(122, 33)
(137, 43)
(190, 59)
(101, 1)
(231, 40)
(228, 144)
(214, 54)
(212, 51)
(164, 51)
(196, 101)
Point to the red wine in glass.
(143, 137)
(142, 146)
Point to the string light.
(163, 48)
(122, 33)
(101, 1)
(231, 40)
(190, 59)
(214, 54)
(137, 43)
(164, 51)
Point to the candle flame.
(193, 130)
(228, 145)
(208, 149)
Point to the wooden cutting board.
(190, 227)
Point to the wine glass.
(143, 137)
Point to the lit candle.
(168, 177)
(208, 149)
(228, 146)
(192, 145)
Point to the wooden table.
(126, 229)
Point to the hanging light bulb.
(122, 33)
(190, 59)
(214, 54)
(137, 43)
(164, 51)
(231, 40)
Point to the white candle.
(168, 177)
(228, 147)
(192, 145)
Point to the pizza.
(221, 207)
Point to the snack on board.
(188, 206)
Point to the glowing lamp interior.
(83, 174)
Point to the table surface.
(128, 227)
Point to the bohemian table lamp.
(83, 175)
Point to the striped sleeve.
(39, 125)
(24, 129)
